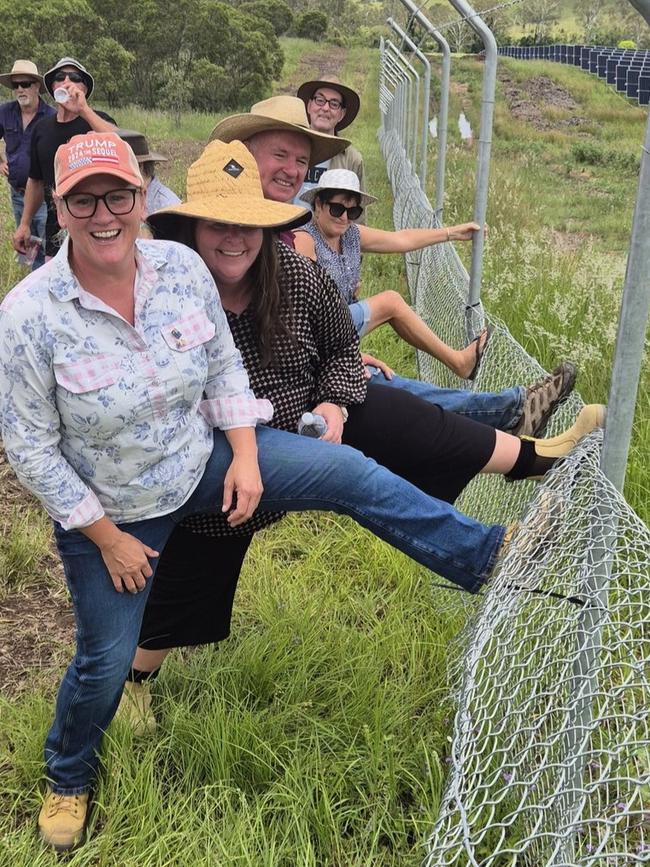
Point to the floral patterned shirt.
(102, 417)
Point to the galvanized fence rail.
(550, 755)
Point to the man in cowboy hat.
(73, 84)
(18, 117)
(157, 194)
(277, 133)
(331, 106)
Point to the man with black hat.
(18, 117)
(70, 84)
(332, 106)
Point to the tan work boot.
(62, 820)
(135, 708)
(589, 418)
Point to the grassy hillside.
(318, 733)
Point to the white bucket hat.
(338, 179)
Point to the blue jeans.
(501, 410)
(299, 474)
(37, 226)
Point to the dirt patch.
(568, 242)
(526, 101)
(36, 624)
(326, 64)
(462, 92)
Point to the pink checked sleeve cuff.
(87, 512)
(239, 411)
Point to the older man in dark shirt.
(18, 117)
(74, 116)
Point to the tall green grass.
(317, 734)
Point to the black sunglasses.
(24, 84)
(336, 209)
(74, 77)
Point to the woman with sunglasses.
(74, 116)
(336, 242)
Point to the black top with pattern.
(321, 363)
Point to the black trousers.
(440, 452)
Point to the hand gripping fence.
(549, 762)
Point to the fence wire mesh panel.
(550, 755)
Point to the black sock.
(529, 463)
(137, 676)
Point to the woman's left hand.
(334, 418)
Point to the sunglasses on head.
(336, 209)
(24, 84)
(74, 77)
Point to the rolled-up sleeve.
(229, 401)
(30, 426)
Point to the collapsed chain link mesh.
(550, 756)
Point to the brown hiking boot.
(62, 820)
(543, 398)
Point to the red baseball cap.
(94, 153)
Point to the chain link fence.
(550, 755)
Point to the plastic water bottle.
(312, 425)
(61, 95)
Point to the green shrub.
(311, 25)
(592, 154)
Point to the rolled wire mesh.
(550, 755)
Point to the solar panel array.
(625, 69)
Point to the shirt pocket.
(186, 337)
(87, 374)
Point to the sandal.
(479, 350)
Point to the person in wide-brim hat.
(284, 113)
(224, 186)
(341, 180)
(140, 146)
(22, 68)
(351, 101)
(88, 80)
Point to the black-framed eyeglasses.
(84, 205)
(74, 77)
(334, 104)
(24, 84)
(336, 209)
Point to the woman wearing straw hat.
(125, 408)
(301, 351)
(336, 242)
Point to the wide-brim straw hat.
(23, 67)
(350, 97)
(140, 146)
(224, 186)
(338, 179)
(279, 113)
(48, 78)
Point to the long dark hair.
(270, 301)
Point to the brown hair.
(270, 301)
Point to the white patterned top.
(102, 417)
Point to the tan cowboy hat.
(279, 112)
(139, 146)
(23, 67)
(351, 100)
(224, 185)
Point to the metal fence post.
(426, 97)
(443, 110)
(411, 116)
(632, 321)
(484, 148)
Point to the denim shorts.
(360, 313)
